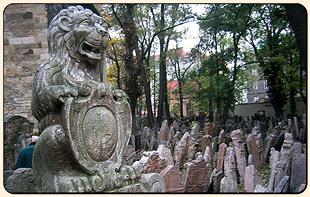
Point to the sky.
(191, 37)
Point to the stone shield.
(98, 130)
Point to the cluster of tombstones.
(216, 160)
(198, 159)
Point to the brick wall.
(25, 48)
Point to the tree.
(222, 23)
(170, 16)
(180, 61)
(276, 51)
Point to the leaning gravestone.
(85, 123)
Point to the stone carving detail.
(85, 123)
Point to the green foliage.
(235, 39)
(265, 174)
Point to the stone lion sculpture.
(84, 124)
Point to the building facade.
(24, 49)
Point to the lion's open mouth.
(90, 50)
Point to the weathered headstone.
(220, 157)
(164, 133)
(175, 125)
(282, 187)
(208, 129)
(216, 179)
(251, 178)
(230, 167)
(195, 176)
(296, 130)
(207, 155)
(173, 180)
(17, 135)
(228, 185)
(84, 122)
(270, 141)
(280, 163)
(221, 137)
(184, 151)
(253, 149)
(204, 142)
(195, 131)
(240, 153)
(130, 154)
(166, 154)
(299, 171)
(261, 189)
(146, 138)
(151, 162)
(21, 181)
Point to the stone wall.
(25, 48)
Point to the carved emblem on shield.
(98, 130)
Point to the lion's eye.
(86, 22)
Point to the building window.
(256, 98)
(255, 86)
(254, 72)
(265, 84)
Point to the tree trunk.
(147, 92)
(181, 99)
(131, 69)
(162, 68)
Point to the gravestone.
(195, 131)
(204, 142)
(299, 172)
(282, 187)
(236, 136)
(220, 157)
(253, 150)
(173, 180)
(207, 155)
(228, 185)
(216, 180)
(261, 189)
(184, 151)
(150, 162)
(17, 135)
(166, 154)
(208, 129)
(230, 167)
(146, 138)
(164, 133)
(221, 137)
(280, 162)
(270, 142)
(84, 122)
(175, 125)
(130, 154)
(22, 180)
(196, 176)
(251, 178)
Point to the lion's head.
(80, 31)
